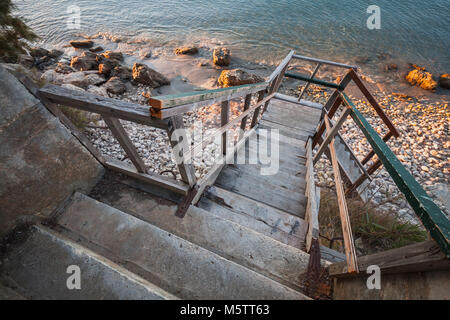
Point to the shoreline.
(427, 110)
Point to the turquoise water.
(412, 31)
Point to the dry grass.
(373, 231)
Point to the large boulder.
(222, 57)
(420, 77)
(186, 50)
(124, 73)
(87, 61)
(82, 44)
(41, 163)
(113, 55)
(237, 77)
(39, 52)
(444, 81)
(62, 67)
(148, 76)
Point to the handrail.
(433, 219)
(175, 100)
(314, 80)
(331, 63)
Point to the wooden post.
(312, 207)
(122, 137)
(248, 100)
(308, 83)
(350, 250)
(256, 113)
(187, 171)
(224, 118)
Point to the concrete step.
(37, 268)
(176, 264)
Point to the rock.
(94, 79)
(96, 49)
(390, 67)
(55, 53)
(39, 52)
(115, 86)
(124, 73)
(444, 81)
(26, 60)
(72, 87)
(99, 91)
(113, 55)
(76, 78)
(147, 76)
(237, 77)
(81, 44)
(186, 50)
(106, 65)
(42, 62)
(51, 76)
(420, 77)
(87, 61)
(222, 56)
(62, 67)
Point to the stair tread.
(38, 267)
(176, 264)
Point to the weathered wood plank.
(294, 100)
(258, 109)
(423, 256)
(105, 106)
(205, 96)
(330, 134)
(283, 64)
(161, 181)
(248, 100)
(224, 119)
(331, 63)
(177, 134)
(122, 137)
(53, 108)
(316, 69)
(349, 244)
(312, 208)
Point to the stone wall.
(41, 163)
(428, 285)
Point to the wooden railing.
(165, 112)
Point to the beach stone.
(124, 73)
(99, 91)
(54, 53)
(26, 60)
(115, 86)
(420, 77)
(84, 63)
(94, 79)
(113, 55)
(390, 67)
(222, 57)
(96, 49)
(39, 52)
(72, 87)
(237, 77)
(145, 75)
(444, 81)
(76, 78)
(51, 76)
(82, 44)
(62, 67)
(186, 50)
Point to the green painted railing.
(313, 80)
(432, 217)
